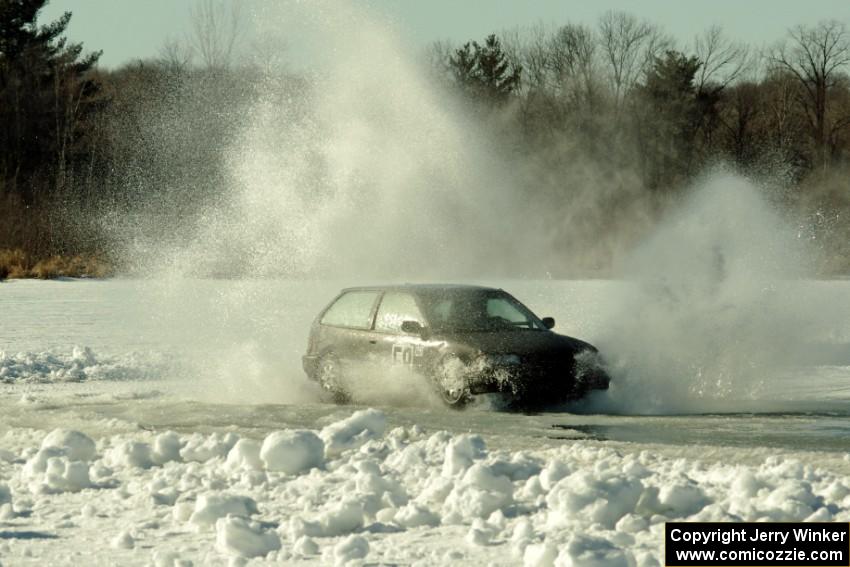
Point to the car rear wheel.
(329, 376)
(450, 380)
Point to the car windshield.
(478, 311)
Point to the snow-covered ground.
(143, 425)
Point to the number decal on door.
(403, 354)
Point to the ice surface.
(110, 454)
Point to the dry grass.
(18, 264)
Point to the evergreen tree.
(670, 118)
(47, 96)
(484, 71)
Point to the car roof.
(421, 288)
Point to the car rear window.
(395, 309)
(353, 309)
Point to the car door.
(346, 328)
(392, 346)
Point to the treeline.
(604, 125)
(622, 111)
(90, 157)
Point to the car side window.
(499, 307)
(395, 309)
(441, 311)
(354, 310)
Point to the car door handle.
(373, 341)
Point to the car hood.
(518, 342)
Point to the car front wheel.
(450, 380)
(329, 376)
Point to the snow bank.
(292, 452)
(201, 448)
(61, 463)
(80, 365)
(351, 548)
(166, 447)
(244, 538)
(354, 431)
(210, 507)
(461, 452)
(395, 497)
(77, 446)
(123, 540)
(245, 454)
(130, 454)
(49, 470)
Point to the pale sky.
(133, 29)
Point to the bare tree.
(629, 46)
(217, 30)
(573, 62)
(268, 53)
(723, 61)
(739, 117)
(437, 55)
(175, 55)
(529, 48)
(816, 57)
(782, 90)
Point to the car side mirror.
(548, 322)
(412, 327)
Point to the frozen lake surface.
(187, 354)
(129, 361)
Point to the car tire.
(329, 376)
(450, 384)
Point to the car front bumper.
(543, 383)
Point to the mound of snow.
(350, 549)
(601, 497)
(342, 518)
(354, 431)
(166, 448)
(461, 452)
(305, 547)
(49, 470)
(132, 454)
(479, 493)
(200, 448)
(292, 452)
(77, 446)
(540, 555)
(682, 498)
(244, 538)
(210, 507)
(123, 541)
(414, 515)
(244, 455)
(37, 464)
(589, 551)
